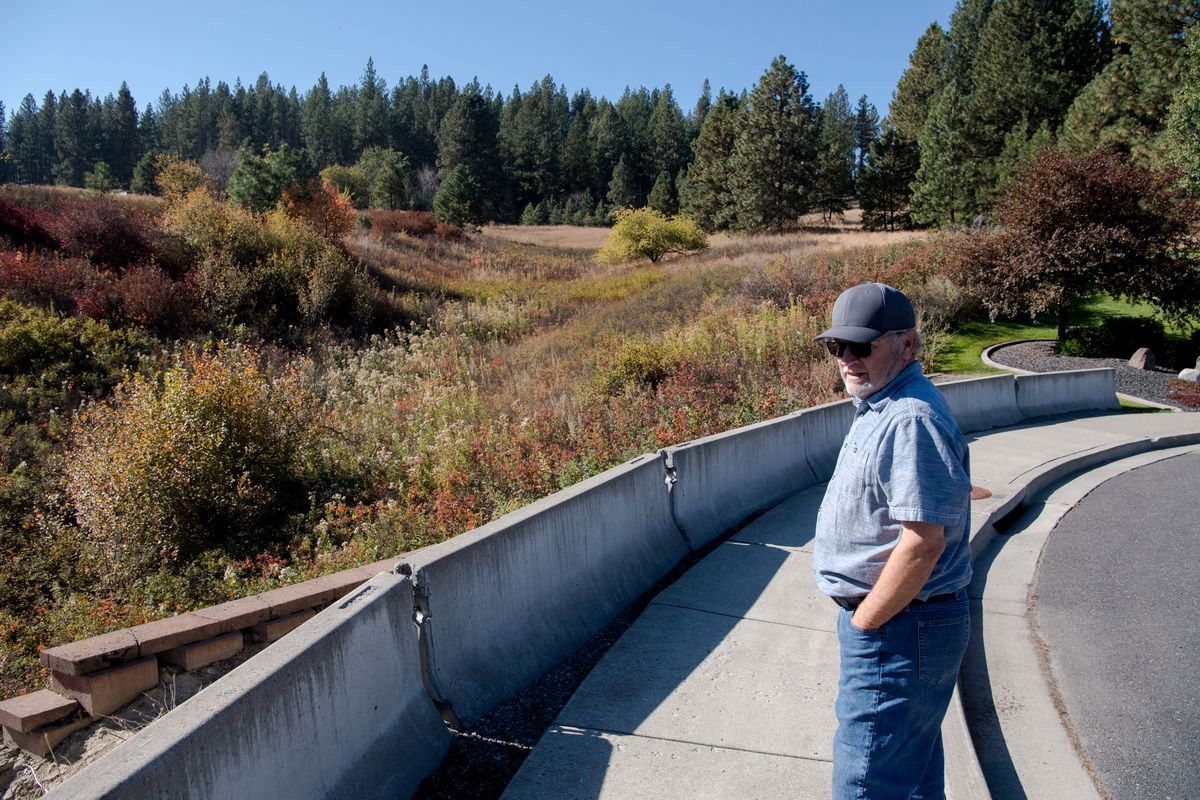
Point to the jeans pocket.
(941, 644)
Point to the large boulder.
(1190, 375)
(1142, 359)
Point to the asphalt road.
(1119, 608)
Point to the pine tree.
(1126, 104)
(531, 141)
(47, 133)
(955, 178)
(371, 111)
(317, 126)
(409, 120)
(259, 182)
(668, 135)
(1032, 59)
(121, 137)
(774, 160)
(147, 129)
(24, 148)
(1181, 136)
(834, 184)
(100, 178)
(608, 141)
(966, 28)
(866, 131)
(145, 174)
(73, 142)
(623, 190)
(919, 83)
(577, 166)
(883, 183)
(4, 156)
(467, 144)
(662, 195)
(695, 120)
(709, 196)
(634, 110)
(459, 199)
(949, 181)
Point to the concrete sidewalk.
(725, 685)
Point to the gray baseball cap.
(865, 312)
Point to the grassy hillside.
(217, 403)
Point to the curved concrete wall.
(1047, 393)
(335, 709)
(503, 603)
(982, 403)
(720, 480)
(345, 704)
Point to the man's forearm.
(906, 571)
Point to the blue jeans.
(894, 688)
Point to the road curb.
(1040, 503)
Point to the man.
(892, 549)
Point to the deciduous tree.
(1076, 225)
(647, 233)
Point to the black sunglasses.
(857, 349)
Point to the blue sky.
(67, 44)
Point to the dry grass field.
(813, 233)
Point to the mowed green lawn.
(961, 352)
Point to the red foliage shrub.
(1186, 393)
(447, 232)
(23, 227)
(45, 279)
(98, 300)
(411, 223)
(105, 232)
(323, 207)
(147, 296)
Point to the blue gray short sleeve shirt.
(904, 460)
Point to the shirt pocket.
(853, 471)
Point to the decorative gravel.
(1039, 356)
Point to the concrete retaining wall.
(722, 479)
(344, 706)
(983, 403)
(336, 709)
(1049, 393)
(503, 603)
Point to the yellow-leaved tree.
(645, 232)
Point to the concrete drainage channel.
(339, 707)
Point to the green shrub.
(214, 454)
(646, 233)
(639, 363)
(1114, 337)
